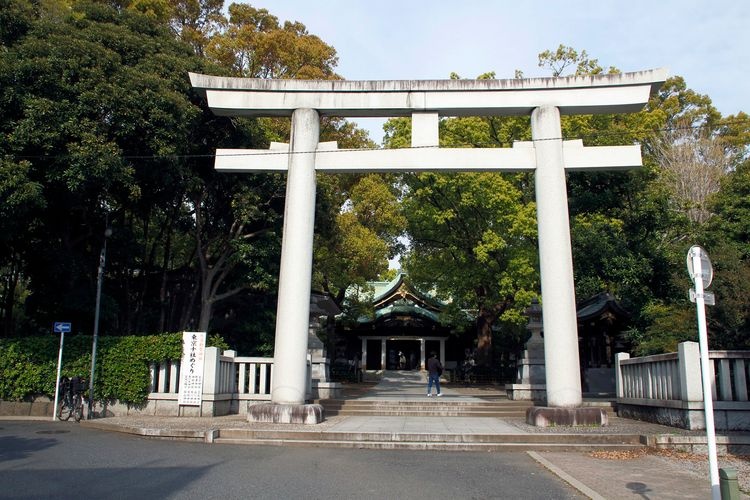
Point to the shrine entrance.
(405, 323)
(403, 353)
(548, 155)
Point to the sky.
(705, 42)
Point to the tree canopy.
(100, 130)
(630, 231)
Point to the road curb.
(151, 432)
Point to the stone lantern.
(530, 381)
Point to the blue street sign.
(61, 327)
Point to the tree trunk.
(9, 296)
(205, 317)
(484, 337)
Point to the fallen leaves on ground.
(667, 453)
(620, 454)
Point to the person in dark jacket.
(434, 369)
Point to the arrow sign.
(61, 327)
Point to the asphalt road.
(62, 460)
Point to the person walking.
(434, 369)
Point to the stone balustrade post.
(619, 381)
(210, 371)
(688, 355)
(231, 378)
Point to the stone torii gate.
(545, 99)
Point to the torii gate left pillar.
(544, 99)
(289, 380)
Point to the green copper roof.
(400, 297)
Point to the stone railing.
(230, 383)
(667, 388)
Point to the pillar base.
(543, 416)
(285, 413)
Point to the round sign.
(707, 270)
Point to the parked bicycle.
(71, 400)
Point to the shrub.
(28, 366)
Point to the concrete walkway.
(408, 385)
(412, 386)
(425, 425)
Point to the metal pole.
(100, 275)
(708, 404)
(57, 380)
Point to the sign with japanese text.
(191, 368)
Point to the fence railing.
(228, 379)
(677, 377)
(649, 377)
(673, 383)
(254, 376)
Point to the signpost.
(61, 328)
(702, 273)
(191, 368)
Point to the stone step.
(425, 437)
(448, 400)
(426, 441)
(435, 408)
(420, 404)
(424, 413)
(425, 402)
(428, 407)
(436, 446)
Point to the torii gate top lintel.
(611, 93)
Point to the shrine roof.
(594, 307)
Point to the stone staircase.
(433, 407)
(430, 441)
(496, 406)
(419, 412)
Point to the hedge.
(28, 366)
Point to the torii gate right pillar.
(555, 262)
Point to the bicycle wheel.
(64, 411)
(78, 409)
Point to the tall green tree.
(255, 44)
(100, 128)
(472, 238)
(87, 92)
(103, 114)
(626, 235)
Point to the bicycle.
(71, 402)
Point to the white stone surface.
(518, 158)
(691, 388)
(555, 262)
(295, 275)
(626, 92)
(425, 130)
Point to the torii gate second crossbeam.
(545, 99)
